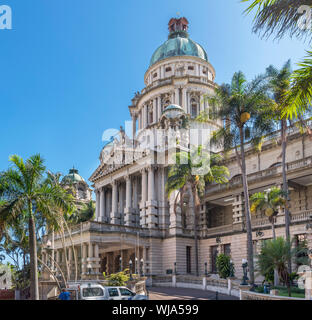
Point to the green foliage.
(277, 17)
(275, 254)
(118, 279)
(224, 266)
(268, 201)
(84, 214)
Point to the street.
(160, 293)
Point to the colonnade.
(135, 200)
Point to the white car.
(92, 291)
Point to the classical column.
(84, 258)
(97, 205)
(114, 214)
(97, 259)
(128, 209)
(102, 205)
(135, 200)
(134, 118)
(176, 96)
(108, 205)
(152, 218)
(162, 203)
(151, 184)
(184, 97)
(145, 116)
(144, 198)
(90, 250)
(159, 108)
(162, 72)
(154, 110)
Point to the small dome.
(173, 107)
(173, 111)
(72, 177)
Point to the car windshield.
(92, 292)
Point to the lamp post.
(206, 269)
(136, 266)
(141, 267)
(245, 278)
(130, 269)
(175, 268)
(120, 261)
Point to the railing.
(236, 181)
(300, 216)
(219, 230)
(93, 226)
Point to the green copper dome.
(178, 44)
(72, 177)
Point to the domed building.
(136, 220)
(77, 185)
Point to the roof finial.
(178, 25)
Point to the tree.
(269, 202)
(280, 17)
(26, 196)
(188, 176)
(279, 85)
(225, 266)
(86, 213)
(243, 108)
(276, 254)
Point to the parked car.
(93, 291)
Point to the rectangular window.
(227, 249)
(188, 260)
(214, 254)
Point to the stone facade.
(136, 221)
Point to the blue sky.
(69, 68)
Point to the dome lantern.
(178, 43)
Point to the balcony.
(296, 217)
(260, 175)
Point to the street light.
(245, 278)
(120, 261)
(130, 268)
(136, 266)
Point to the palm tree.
(279, 84)
(280, 17)
(188, 176)
(268, 201)
(26, 196)
(276, 254)
(243, 109)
